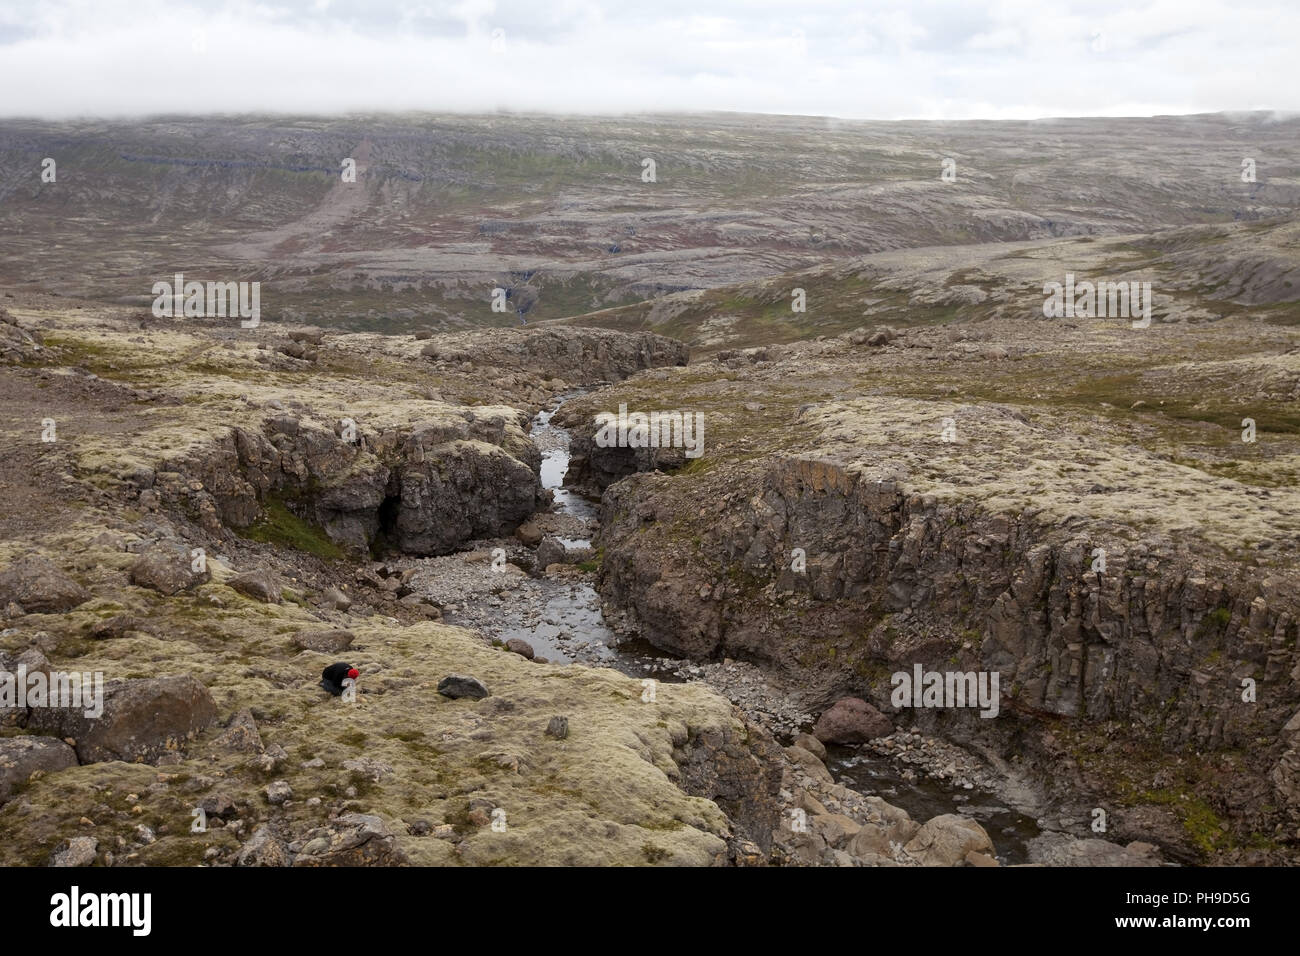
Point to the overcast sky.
(850, 58)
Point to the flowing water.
(572, 626)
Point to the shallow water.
(925, 797)
(573, 627)
(555, 462)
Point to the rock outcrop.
(1163, 641)
(579, 355)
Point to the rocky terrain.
(577, 653)
(216, 746)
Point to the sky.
(860, 59)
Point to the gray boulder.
(39, 587)
(20, 757)
(258, 584)
(324, 642)
(142, 719)
(457, 686)
(167, 568)
(80, 851)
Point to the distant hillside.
(555, 210)
(1197, 273)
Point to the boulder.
(420, 605)
(895, 821)
(851, 720)
(263, 849)
(354, 839)
(811, 744)
(142, 719)
(870, 841)
(368, 767)
(529, 534)
(39, 587)
(241, 734)
(551, 551)
(835, 828)
(117, 626)
(20, 757)
(558, 727)
(79, 851)
(167, 568)
(278, 792)
(809, 764)
(259, 584)
(335, 599)
(521, 647)
(457, 686)
(946, 840)
(219, 805)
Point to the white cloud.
(884, 60)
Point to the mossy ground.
(598, 796)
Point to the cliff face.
(1070, 640)
(427, 486)
(422, 473)
(1161, 645)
